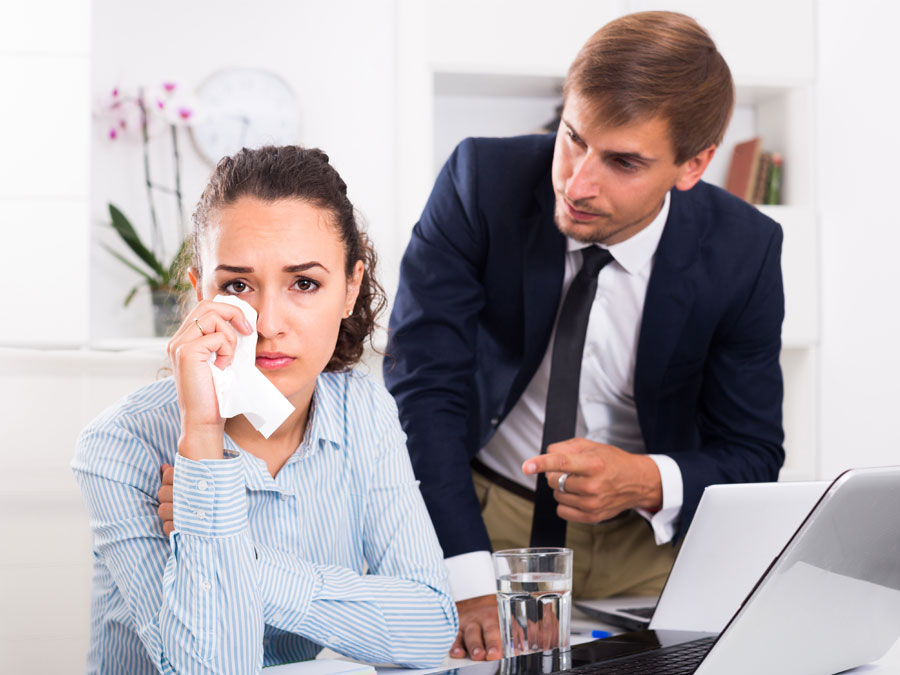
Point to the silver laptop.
(829, 601)
(736, 532)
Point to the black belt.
(510, 485)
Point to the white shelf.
(800, 270)
(486, 81)
(155, 345)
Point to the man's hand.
(479, 629)
(165, 510)
(603, 480)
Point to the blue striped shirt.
(336, 550)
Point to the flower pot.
(166, 311)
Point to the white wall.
(44, 130)
(338, 58)
(46, 397)
(858, 149)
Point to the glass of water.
(534, 598)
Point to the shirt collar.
(636, 251)
(326, 412)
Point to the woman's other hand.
(166, 510)
(208, 329)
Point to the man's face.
(610, 182)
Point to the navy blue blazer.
(479, 286)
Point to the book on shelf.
(773, 182)
(761, 178)
(743, 169)
(754, 175)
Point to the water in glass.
(534, 611)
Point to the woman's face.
(285, 259)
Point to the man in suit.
(677, 383)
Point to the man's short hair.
(657, 64)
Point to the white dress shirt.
(607, 412)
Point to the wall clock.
(244, 107)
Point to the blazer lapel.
(543, 267)
(670, 296)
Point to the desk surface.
(888, 665)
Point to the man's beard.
(593, 236)
(601, 232)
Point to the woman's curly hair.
(272, 173)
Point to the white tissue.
(241, 388)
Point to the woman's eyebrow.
(291, 269)
(302, 267)
(234, 269)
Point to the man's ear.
(692, 170)
(194, 277)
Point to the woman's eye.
(306, 285)
(235, 287)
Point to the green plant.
(157, 274)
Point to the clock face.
(244, 107)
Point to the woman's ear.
(194, 276)
(353, 284)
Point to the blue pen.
(596, 634)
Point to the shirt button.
(285, 496)
(332, 640)
(495, 421)
(202, 485)
(200, 514)
(205, 585)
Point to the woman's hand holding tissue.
(208, 329)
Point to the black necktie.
(561, 413)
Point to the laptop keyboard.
(675, 660)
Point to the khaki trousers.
(617, 557)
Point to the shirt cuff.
(471, 575)
(665, 521)
(209, 497)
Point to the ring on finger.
(561, 483)
(199, 327)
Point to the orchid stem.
(164, 188)
(181, 230)
(156, 242)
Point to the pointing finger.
(544, 463)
